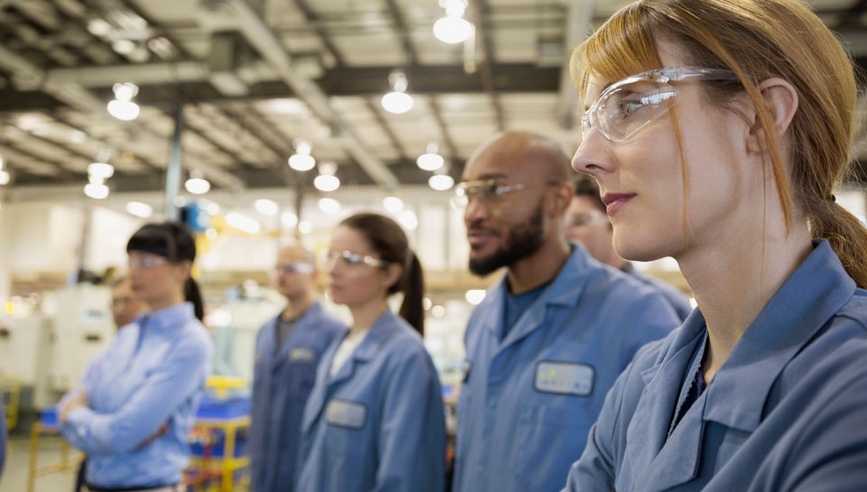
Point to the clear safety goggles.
(348, 258)
(628, 105)
(487, 191)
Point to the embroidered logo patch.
(302, 355)
(349, 414)
(564, 378)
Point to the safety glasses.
(628, 105)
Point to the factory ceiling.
(251, 77)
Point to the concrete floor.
(15, 471)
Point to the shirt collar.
(805, 302)
(168, 319)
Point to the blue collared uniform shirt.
(378, 425)
(528, 401)
(282, 381)
(151, 374)
(673, 295)
(786, 412)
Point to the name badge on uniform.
(302, 355)
(349, 414)
(468, 366)
(564, 378)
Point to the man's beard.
(523, 240)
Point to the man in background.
(288, 349)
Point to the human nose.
(476, 210)
(593, 156)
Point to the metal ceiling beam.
(403, 32)
(312, 19)
(392, 137)
(444, 129)
(271, 49)
(485, 39)
(579, 19)
(82, 99)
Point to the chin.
(638, 246)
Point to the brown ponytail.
(845, 233)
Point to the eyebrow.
(586, 107)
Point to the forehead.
(346, 238)
(292, 254)
(123, 288)
(502, 159)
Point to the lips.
(480, 237)
(616, 201)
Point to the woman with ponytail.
(374, 420)
(718, 131)
(138, 401)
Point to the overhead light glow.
(140, 209)
(325, 182)
(302, 160)
(98, 27)
(211, 234)
(438, 311)
(96, 191)
(441, 182)
(266, 207)
(289, 220)
(305, 227)
(243, 223)
(4, 178)
(452, 30)
(100, 170)
(430, 160)
(392, 204)
(123, 46)
(329, 205)
(212, 208)
(197, 186)
(397, 102)
(475, 296)
(408, 220)
(123, 110)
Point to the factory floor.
(14, 477)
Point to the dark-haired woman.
(137, 403)
(374, 420)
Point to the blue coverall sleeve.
(149, 407)
(412, 439)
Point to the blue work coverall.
(786, 412)
(378, 425)
(282, 380)
(528, 400)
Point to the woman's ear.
(183, 269)
(781, 99)
(393, 272)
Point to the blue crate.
(212, 409)
(49, 416)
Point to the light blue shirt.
(527, 402)
(151, 374)
(282, 382)
(378, 425)
(672, 294)
(787, 411)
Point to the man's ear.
(781, 99)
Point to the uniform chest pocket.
(548, 440)
(349, 445)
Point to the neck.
(732, 278)
(539, 268)
(166, 302)
(295, 306)
(365, 315)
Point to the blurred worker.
(375, 419)
(288, 349)
(2, 438)
(587, 221)
(125, 306)
(549, 340)
(133, 412)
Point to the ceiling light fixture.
(197, 185)
(140, 209)
(122, 106)
(441, 182)
(97, 191)
(392, 204)
(329, 205)
(453, 28)
(302, 160)
(408, 220)
(100, 170)
(243, 223)
(266, 207)
(430, 161)
(327, 181)
(397, 101)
